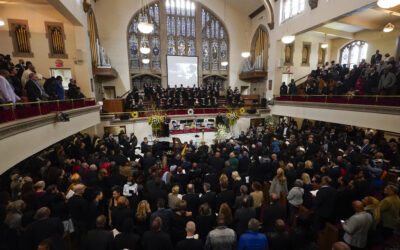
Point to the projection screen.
(182, 70)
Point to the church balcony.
(33, 128)
(376, 112)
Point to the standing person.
(191, 242)
(283, 89)
(279, 184)
(357, 226)
(252, 239)
(221, 238)
(26, 75)
(99, 238)
(376, 58)
(60, 88)
(156, 239)
(387, 82)
(324, 203)
(34, 90)
(390, 208)
(295, 198)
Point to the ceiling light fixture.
(388, 28)
(288, 39)
(145, 26)
(387, 4)
(2, 23)
(245, 54)
(324, 45)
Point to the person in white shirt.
(130, 188)
(7, 94)
(25, 76)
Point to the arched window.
(215, 42)
(136, 40)
(353, 53)
(181, 27)
(291, 8)
(188, 29)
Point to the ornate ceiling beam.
(270, 9)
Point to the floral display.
(221, 133)
(156, 121)
(232, 117)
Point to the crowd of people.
(114, 192)
(23, 80)
(379, 77)
(176, 97)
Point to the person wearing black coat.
(127, 239)
(279, 239)
(225, 196)
(192, 199)
(156, 239)
(324, 203)
(205, 221)
(208, 197)
(217, 163)
(242, 216)
(272, 213)
(121, 213)
(44, 228)
(99, 238)
(190, 242)
(34, 90)
(283, 89)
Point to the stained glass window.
(180, 26)
(215, 44)
(137, 39)
(353, 53)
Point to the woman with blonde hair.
(174, 197)
(237, 182)
(39, 189)
(257, 194)
(279, 184)
(223, 179)
(75, 180)
(225, 210)
(308, 167)
(307, 186)
(142, 217)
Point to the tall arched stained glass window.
(152, 40)
(215, 48)
(353, 53)
(181, 29)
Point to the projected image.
(182, 70)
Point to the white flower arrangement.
(222, 133)
(232, 118)
(155, 122)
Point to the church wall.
(113, 37)
(376, 39)
(37, 15)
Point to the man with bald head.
(191, 242)
(340, 246)
(357, 226)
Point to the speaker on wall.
(124, 117)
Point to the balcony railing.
(21, 110)
(379, 100)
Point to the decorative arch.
(353, 52)
(268, 6)
(260, 45)
(201, 33)
(152, 40)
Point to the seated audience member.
(7, 94)
(252, 239)
(99, 238)
(191, 242)
(35, 90)
(221, 237)
(156, 239)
